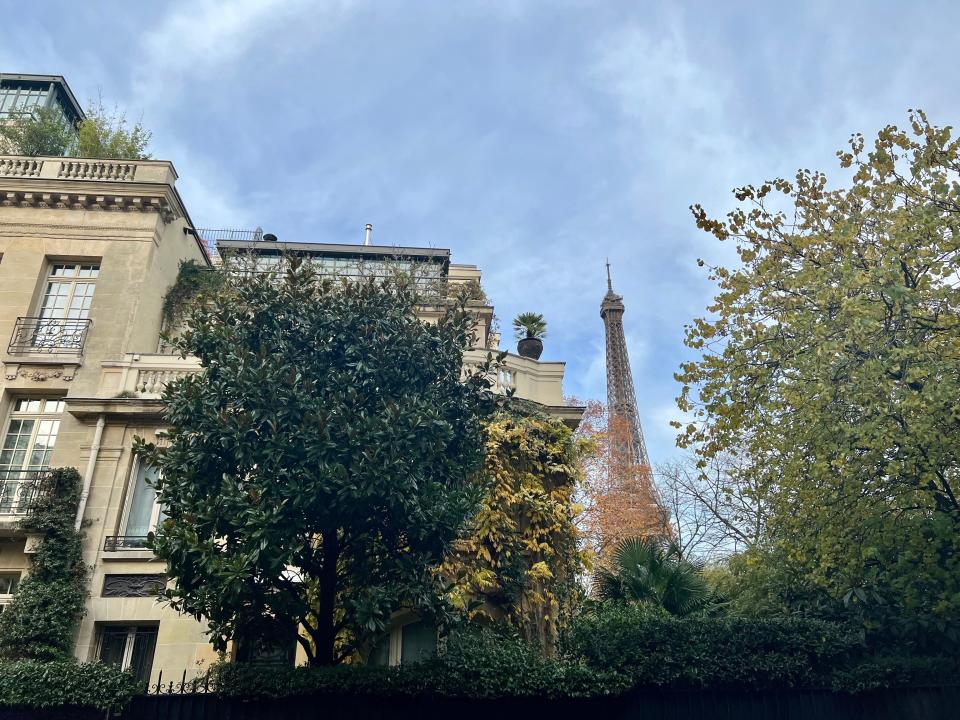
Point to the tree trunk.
(326, 631)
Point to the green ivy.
(28, 683)
(193, 280)
(41, 621)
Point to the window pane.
(144, 645)
(380, 656)
(113, 643)
(419, 642)
(8, 583)
(141, 504)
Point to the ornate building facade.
(88, 249)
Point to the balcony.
(63, 168)
(119, 543)
(48, 336)
(17, 488)
(144, 376)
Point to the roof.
(387, 252)
(58, 80)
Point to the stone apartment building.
(88, 249)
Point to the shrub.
(475, 666)
(648, 647)
(29, 683)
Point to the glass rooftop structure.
(257, 254)
(22, 93)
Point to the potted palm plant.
(530, 329)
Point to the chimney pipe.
(367, 232)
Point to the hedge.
(610, 651)
(35, 684)
(650, 648)
(475, 666)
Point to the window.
(143, 512)
(8, 583)
(26, 448)
(131, 647)
(280, 649)
(65, 306)
(8, 586)
(405, 644)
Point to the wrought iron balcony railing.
(48, 335)
(113, 543)
(17, 488)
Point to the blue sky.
(533, 139)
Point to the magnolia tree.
(322, 462)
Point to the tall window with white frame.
(27, 445)
(65, 306)
(142, 512)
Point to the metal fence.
(899, 704)
(211, 236)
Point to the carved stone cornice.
(91, 201)
(90, 184)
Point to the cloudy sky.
(532, 138)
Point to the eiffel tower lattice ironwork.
(621, 396)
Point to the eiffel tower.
(621, 397)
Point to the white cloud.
(203, 36)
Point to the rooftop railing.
(62, 168)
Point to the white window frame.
(128, 501)
(6, 598)
(65, 313)
(19, 481)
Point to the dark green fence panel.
(896, 704)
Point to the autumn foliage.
(619, 498)
(521, 562)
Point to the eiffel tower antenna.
(621, 397)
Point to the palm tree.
(647, 570)
(530, 325)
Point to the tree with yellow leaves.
(521, 562)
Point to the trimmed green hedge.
(652, 648)
(475, 666)
(35, 684)
(658, 649)
(610, 651)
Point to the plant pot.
(530, 348)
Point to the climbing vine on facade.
(40, 622)
(193, 281)
(521, 562)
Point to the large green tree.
(321, 463)
(831, 365)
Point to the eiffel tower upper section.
(621, 396)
